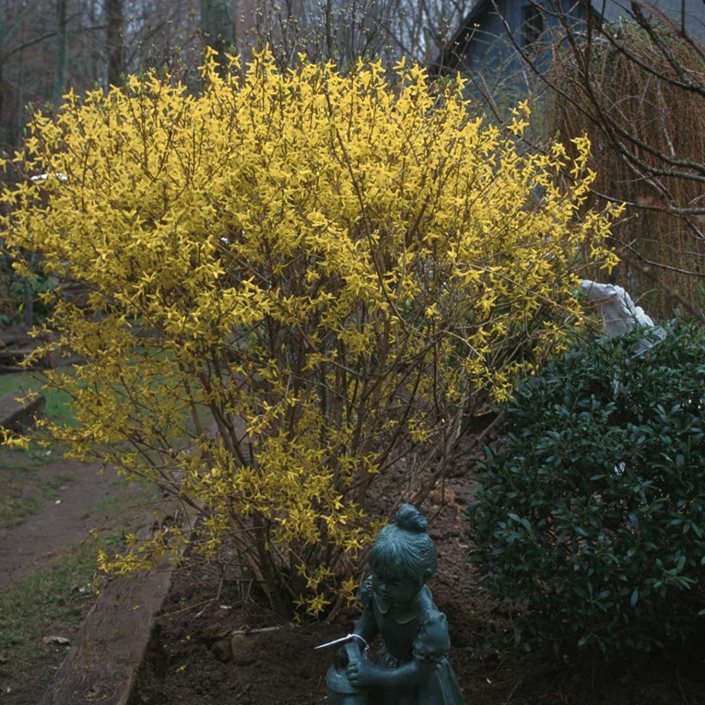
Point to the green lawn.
(57, 403)
(23, 488)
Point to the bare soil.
(192, 658)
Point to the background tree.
(15, 41)
(114, 18)
(61, 63)
(94, 42)
(345, 31)
(218, 25)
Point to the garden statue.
(411, 667)
(620, 314)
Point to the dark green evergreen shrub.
(589, 521)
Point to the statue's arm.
(429, 647)
(364, 674)
(366, 626)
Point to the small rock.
(215, 633)
(240, 651)
(59, 640)
(222, 650)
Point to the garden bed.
(194, 658)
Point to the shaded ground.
(191, 658)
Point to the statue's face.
(395, 588)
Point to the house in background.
(485, 46)
(648, 141)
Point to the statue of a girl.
(412, 666)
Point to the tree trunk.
(61, 52)
(217, 24)
(3, 30)
(114, 18)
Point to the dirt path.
(80, 506)
(52, 512)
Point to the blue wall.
(490, 42)
(491, 58)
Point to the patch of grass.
(13, 509)
(54, 601)
(23, 491)
(117, 502)
(57, 407)
(129, 505)
(24, 487)
(20, 494)
(55, 483)
(51, 602)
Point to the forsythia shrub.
(589, 520)
(294, 280)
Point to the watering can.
(340, 690)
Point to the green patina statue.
(411, 667)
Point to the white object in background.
(619, 313)
(44, 177)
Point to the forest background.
(48, 46)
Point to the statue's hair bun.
(410, 518)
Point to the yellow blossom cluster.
(292, 281)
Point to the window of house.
(532, 23)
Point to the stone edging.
(18, 410)
(102, 666)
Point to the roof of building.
(457, 44)
(688, 15)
